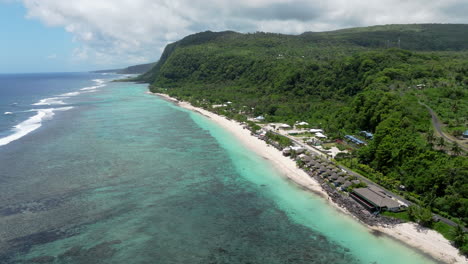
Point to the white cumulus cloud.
(116, 32)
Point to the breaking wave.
(31, 124)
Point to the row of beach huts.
(371, 197)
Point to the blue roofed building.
(355, 140)
(368, 135)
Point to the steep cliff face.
(195, 39)
(259, 49)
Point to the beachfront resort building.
(375, 199)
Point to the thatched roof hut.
(346, 185)
(341, 180)
(305, 158)
(356, 182)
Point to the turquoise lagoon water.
(126, 177)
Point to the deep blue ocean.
(93, 171)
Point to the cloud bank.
(116, 32)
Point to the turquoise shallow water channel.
(126, 177)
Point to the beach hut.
(346, 185)
(305, 158)
(316, 165)
(322, 169)
(311, 163)
(334, 177)
(340, 181)
(286, 151)
(326, 173)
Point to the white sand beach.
(428, 241)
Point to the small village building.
(320, 135)
(302, 123)
(420, 86)
(260, 118)
(298, 149)
(375, 199)
(356, 182)
(285, 126)
(316, 130)
(286, 151)
(465, 134)
(354, 140)
(368, 135)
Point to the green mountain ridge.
(136, 69)
(344, 81)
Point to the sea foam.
(31, 124)
(99, 82)
(51, 101)
(69, 94)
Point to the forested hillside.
(373, 79)
(136, 69)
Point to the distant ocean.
(93, 171)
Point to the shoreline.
(425, 240)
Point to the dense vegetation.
(344, 81)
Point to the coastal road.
(437, 124)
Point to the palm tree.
(430, 137)
(456, 150)
(459, 236)
(441, 142)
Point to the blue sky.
(82, 35)
(29, 46)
